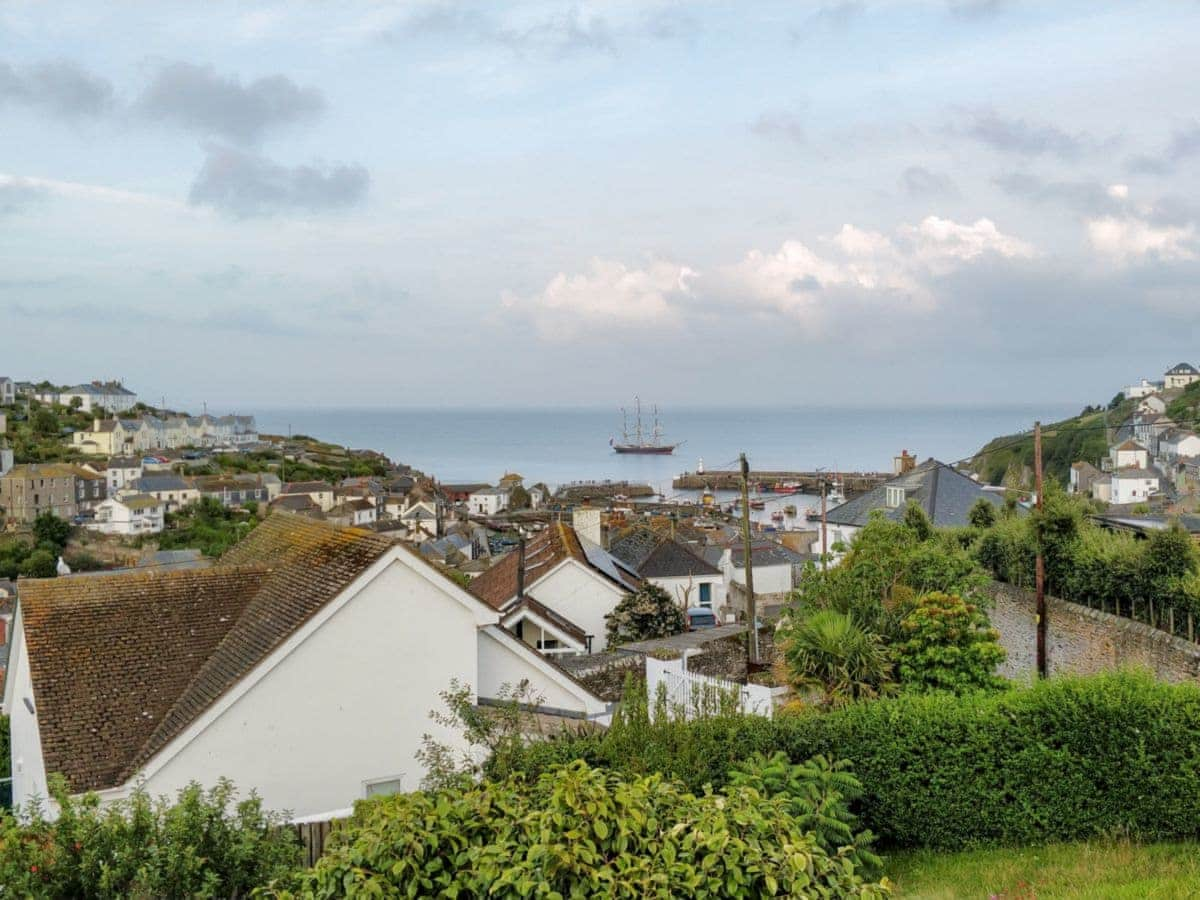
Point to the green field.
(1093, 870)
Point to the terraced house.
(27, 491)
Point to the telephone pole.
(824, 530)
(751, 605)
(1040, 572)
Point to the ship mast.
(638, 401)
(657, 427)
(624, 425)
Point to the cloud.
(609, 295)
(919, 182)
(560, 35)
(60, 88)
(245, 184)
(1184, 144)
(1126, 240)
(976, 9)
(1023, 138)
(780, 126)
(18, 193)
(830, 17)
(198, 99)
(1088, 197)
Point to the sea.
(558, 446)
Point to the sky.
(425, 204)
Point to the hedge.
(1066, 759)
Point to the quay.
(578, 491)
(853, 483)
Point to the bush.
(830, 651)
(203, 845)
(949, 646)
(1067, 759)
(578, 832)
(644, 615)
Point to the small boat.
(835, 497)
(758, 504)
(777, 516)
(790, 510)
(812, 514)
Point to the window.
(378, 787)
(706, 594)
(895, 497)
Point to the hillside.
(1009, 459)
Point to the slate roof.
(654, 555)
(498, 585)
(307, 487)
(1183, 369)
(151, 483)
(944, 493)
(122, 664)
(529, 604)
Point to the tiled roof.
(309, 564)
(529, 604)
(498, 584)
(122, 664)
(110, 655)
(1130, 445)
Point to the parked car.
(701, 617)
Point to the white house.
(1129, 454)
(690, 580)
(8, 391)
(488, 501)
(320, 492)
(1180, 376)
(120, 471)
(1177, 444)
(129, 515)
(1133, 485)
(357, 512)
(1102, 489)
(304, 666)
(1152, 404)
(173, 490)
(1142, 389)
(557, 592)
(421, 520)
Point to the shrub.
(828, 650)
(204, 845)
(578, 832)
(1066, 759)
(949, 646)
(644, 615)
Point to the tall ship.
(639, 441)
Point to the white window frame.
(383, 780)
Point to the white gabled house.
(129, 515)
(1133, 485)
(1177, 444)
(1129, 454)
(488, 501)
(304, 666)
(1180, 376)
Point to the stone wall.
(1083, 641)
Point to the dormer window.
(895, 497)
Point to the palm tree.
(829, 650)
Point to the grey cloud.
(672, 25)
(197, 98)
(1185, 143)
(245, 184)
(18, 193)
(1088, 197)
(780, 125)
(1024, 138)
(1174, 210)
(61, 88)
(224, 279)
(831, 16)
(920, 182)
(976, 9)
(559, 35)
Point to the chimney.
(521, 567)
(586, 522)
(96, 423)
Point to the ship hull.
(664, 450)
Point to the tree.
(44, 423)
(39, 564)
(830, 651)
(916, 519)
(518, 497)
(950, 646)
(50, 529)
(644, 615)
(982, 514)
(76, 402)
(1117, 400)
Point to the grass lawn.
(1101, 869)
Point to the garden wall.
(1085, 641)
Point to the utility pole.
(751, 605)
(1040, 573)
(824, 530)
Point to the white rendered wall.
(580, 595)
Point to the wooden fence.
(313, 837)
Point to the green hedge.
(1067, 759)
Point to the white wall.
(581, 595)
(28, 766)
(348, 704)
(501, 664)
(677, 586)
